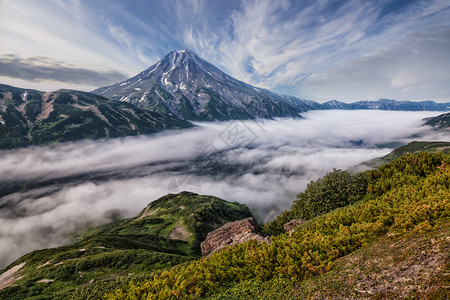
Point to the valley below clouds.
(49, 193)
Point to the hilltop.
(165, 233)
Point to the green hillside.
(409, 195)
(29, 117)
(375, 235)
(413, 147)
(166, 233)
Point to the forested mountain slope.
(29, 117)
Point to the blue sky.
(318, 49)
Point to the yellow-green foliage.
(411, 193)
(335, 189)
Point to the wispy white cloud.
(64, 31)
(133, 47)
(283, 45)
(279, 44)
(272, 43)
(416, 69)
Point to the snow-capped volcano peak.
(187, 50)
(185, 85)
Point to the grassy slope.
(413, 147)
(402, 263)
(409, 195)
(105, 256)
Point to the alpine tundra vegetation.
(405, 202)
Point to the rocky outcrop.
(290, 226)
(232, 233)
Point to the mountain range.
(180, 87)
(30, 117)
(187, 86)
(388, 104)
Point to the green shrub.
(336, 189)
(414, 196)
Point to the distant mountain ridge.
(30, 117)
(388, 104)
(189, 87)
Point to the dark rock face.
(232, 233)
(290, 226)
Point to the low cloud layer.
(44, 69)
(262, 164)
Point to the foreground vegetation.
(356, 226)
(413, 265)
(410, 194)
(105, 257)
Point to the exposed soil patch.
(8, 278)
(45, 281)
(179, 233)
(132, 126)
(47, 106)
(7, 96)
(21, 108)
(45, 264)
(95, 110)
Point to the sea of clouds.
(48, 193)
